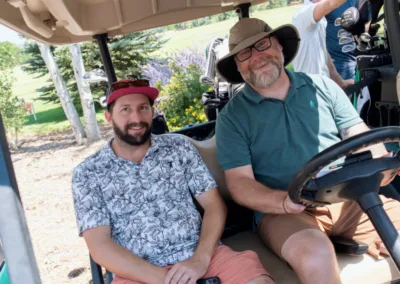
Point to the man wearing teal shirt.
(279, 121)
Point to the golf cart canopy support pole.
(14, 232)
(392, 20)
(243, 10)
(106, 57)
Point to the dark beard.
(133, 140)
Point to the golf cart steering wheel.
(358, 179)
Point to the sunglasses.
(122, 84)
(261, 45)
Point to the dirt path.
(43, 167)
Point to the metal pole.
(243, 10)
(386, 231)
(393, 23)
(106, 57)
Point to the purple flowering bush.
(178, 78)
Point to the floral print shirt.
(148, 206)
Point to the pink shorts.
(231, 267)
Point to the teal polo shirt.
(277, 137)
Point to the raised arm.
(324, 7)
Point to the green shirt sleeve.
(232, 148)
(344, 113)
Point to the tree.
(12, 109)
(129, 53)
(63, 94)
(9, 55)
(277, 3)
(89, 113)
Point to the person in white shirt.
(313, 56)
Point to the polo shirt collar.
(296, 82)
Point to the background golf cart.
(60, 22)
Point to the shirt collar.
(156, 143)
(296, 82)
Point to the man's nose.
(135, 117)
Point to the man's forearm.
(377, 150)
(211, 231)
(333, 73)
(254, 195)
(125, 264)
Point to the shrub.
(12, 109)
(184, 92)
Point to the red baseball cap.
(131, 87)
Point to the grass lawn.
(51, 117)
(200, 36)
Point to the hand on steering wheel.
(292, 208)
(389, 176)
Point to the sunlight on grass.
(50, 116)
(200, 36)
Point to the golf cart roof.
(65, 21)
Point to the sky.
(7, 34)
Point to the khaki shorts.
(230, 266)
(344, 219)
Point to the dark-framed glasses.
(261, 45)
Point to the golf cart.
(64, 22)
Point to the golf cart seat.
(354, 269)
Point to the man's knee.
(263, 279)
(308, 250)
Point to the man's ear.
(108, 117)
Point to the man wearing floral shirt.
(134, 203)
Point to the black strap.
(357, 87)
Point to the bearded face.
(264, 72)
(136, 139)
(263, 68)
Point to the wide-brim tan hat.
(247, 32)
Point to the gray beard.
(265, 78)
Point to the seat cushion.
(354, 269)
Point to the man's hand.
(292, 208)
(388, 176)
(346, 83)
(187, 271)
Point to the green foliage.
(277, 3)
(34, 63)
(259, 7)
(129, 53)
(12, 109)
(199, 22)
(184, 92)
(9, 55)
